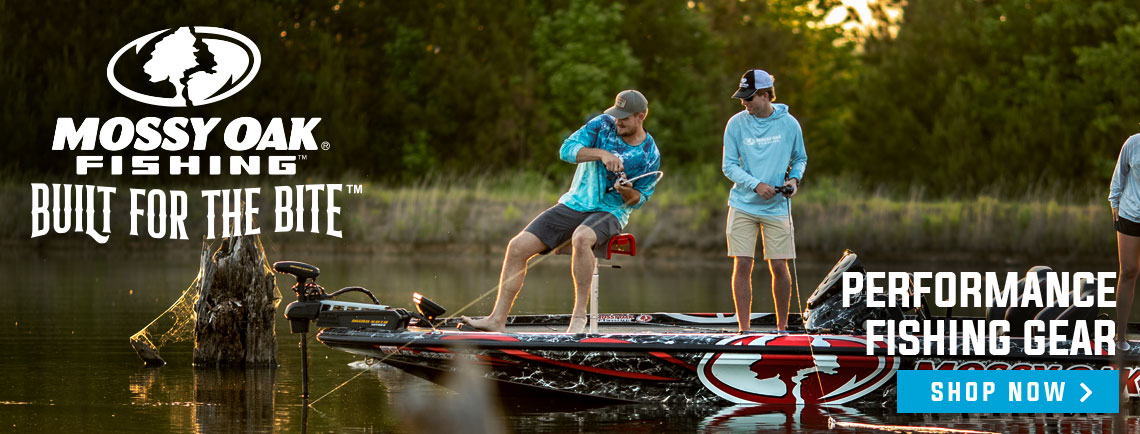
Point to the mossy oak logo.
(762, 141)
(797, 371)
(184, 67)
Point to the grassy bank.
(687, 215)
(480, 213)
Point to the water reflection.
(234, 400)
(660, 418)
(523, 414)
(81, 313)
(472, 409)
(759, 418)
(218, 400)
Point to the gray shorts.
(556, 225)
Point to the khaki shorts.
(742, 229)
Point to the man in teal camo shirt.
(608, 150)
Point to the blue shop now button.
(926, 391)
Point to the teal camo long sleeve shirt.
(590, 192)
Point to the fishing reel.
(785, 190)
(617, 177)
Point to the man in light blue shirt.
(763, 150)
(1124, 198)
(608, 150)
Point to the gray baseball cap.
(627, 103)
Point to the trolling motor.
(314, 305)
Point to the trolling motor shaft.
(313, 304)
(303, 311)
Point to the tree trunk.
(237, 301)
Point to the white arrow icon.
(1087, 392)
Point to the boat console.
(1017, 314)
(825, 311)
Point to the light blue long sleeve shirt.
(1124, 191)
(588, 192)
(762, 150)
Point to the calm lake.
(67, 365)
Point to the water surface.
(68, 367)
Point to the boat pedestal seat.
(620, 244)
(1017, 315)
(1072, 312)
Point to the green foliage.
(454, 86)
(972, 94)
(994, 95)
(582, 58)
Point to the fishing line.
(314, 402)
(800, 306)
(493, 289)
(434, 326)
(457, 312)
(496, 287)
(453, 315)
(832, 424)
(831, 420)
(400, 348)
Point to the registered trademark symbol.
(325, 146)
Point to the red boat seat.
(620, 244)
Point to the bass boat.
(695, 358)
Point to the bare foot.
(577, 325)
(484, 323)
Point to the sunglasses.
(749, 99)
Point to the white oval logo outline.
(138, 44)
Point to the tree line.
(959, 96)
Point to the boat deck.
(712, 323)
(708, 323)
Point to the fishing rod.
(621, 178)
(787, 191)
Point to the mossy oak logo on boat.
(184, 67)
(790, 376)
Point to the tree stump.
(237, 302)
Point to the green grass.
(687, 215)
(475, 213)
